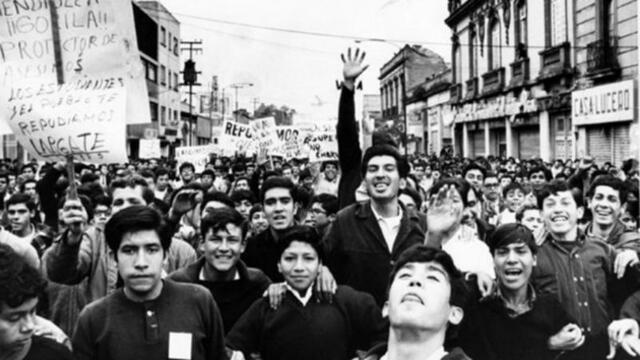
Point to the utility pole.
(237, 86)
(190, 78)
(255, 105)
(213, 100)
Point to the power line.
(361, 38)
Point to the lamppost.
(237, 86)
(402, 83)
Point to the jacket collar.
(363, 211)
(193, 271)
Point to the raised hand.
(353, 66)
(444, 211)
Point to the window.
(154, 112)
(521, 22)
(557, 23)
(175, 115)
(494, 44)
(163, 75)
(163, 36)
(457, 63)
(176, 83)
(163, 115)
(152, 72)
(169, 79)
(169, 40)
(473, 54)
(176, 46)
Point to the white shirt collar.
(436, 355)
(379, 217)
(201, 276)
(303, 299)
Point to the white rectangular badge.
(180, 346)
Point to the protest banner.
(52, 121)
(290, 140)
(263, 131)
(149, 149)
(322, 143)
(96, 39)
(236, 138)
(197, 155)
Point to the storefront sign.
(496, 107)
(605, 103)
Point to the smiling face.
(605, 205)
(513, 263)
(560, 214)
(382, 178)
(532, 220)
(419, 298)
(259, 221)
(279, 208)
(514, 199)
(222, 248)
(140, 257)
(299, 265)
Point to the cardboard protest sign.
(322, 143)
(236, 138)
(197, 155)
(53, 121)
(149, 149)
(290, 141)
(96, 39)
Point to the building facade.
(513, 84)
(158, 33)
(439, 118)
(399, 77)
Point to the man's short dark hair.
(385, 150)
(28, 166)
(23, 186)
(522, 209)
(536, 169)
(19, 282)
(328, 162)
(19, 198)
(185, 165)
(278, 182)
(239, 195)
(300, 233)
(161, 171)
(148, 174)
(218, 219)
(461, 185)
(218, 196)
(553, 188)
(423, 254)
(328, 202)
(514, 185)
(208, 172)
(474, 166)
(130, 182)
(413, 194)
(612, 182)
(133, 219)
(509, 234)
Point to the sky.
(300, 70)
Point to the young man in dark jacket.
(234, 286)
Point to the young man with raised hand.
(234, 286)
(305, 326)
(582, 271)
(148, 317)
(515, 322)
(427, 295)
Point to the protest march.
(283, 235)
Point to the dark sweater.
(262, 253)
(489, 333)
(317, 331)
(115, 327)
(233, 297)
(46, 349)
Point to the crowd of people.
(371, 256)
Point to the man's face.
(17, 325)
(560, 213)
(207, 181)
(407, 202)
(279, 208)
(243, 207)
(330, 171)
(382, 178)
(419, 298)
(162, 182)
(222, 249)
(605, 205)
(474, 177)
(513, 264)
(30, 189)
(150, 182)
(473, 210)
(491, 188)
(259, 221)
(101, 215)
(504, 182)
(187, 174)
(532, 220)
(537, 179)
(250, 169)
(318, 216)
(514, 199)
(125, 197)
(242, 184)
(307, 182)
(3, 184)
(19, 217)
(28, 173)
(299, 265)
(287, 172)
(140, 257)
(629, 222)
(418, 171)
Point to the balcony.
(555, 61)
(602, 58)
(455, 93)
(519, 72)
(472, 88)
(493, 81)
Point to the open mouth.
(412, 298)
(513, 272)
(559, 219)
